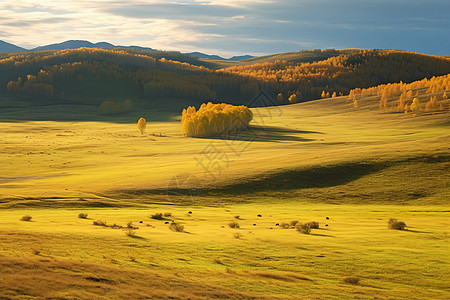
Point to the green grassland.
(302, 162)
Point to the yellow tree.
(293, 98)
(280, 98)
(142, 124)
(416, 106)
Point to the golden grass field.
(300, 162)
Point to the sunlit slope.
(322, 151)
(58, 254)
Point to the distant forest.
(56, 75)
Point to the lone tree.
(142, 123)
(293, 98)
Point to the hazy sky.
(230, 27)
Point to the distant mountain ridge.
(8, 47)
(217, 57)
(75, 44)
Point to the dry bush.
(130, 225)
(99, 223)
(167, 214)
(303, 228)
(130, 232)
(217, 261)
(313, 225)
(293, 223)
(234, 224)
(237, 235)
(82, 215)
(26, 218)
(176, 227)
(396, 224)
(285, 225)
(157, 216)
(351, 280)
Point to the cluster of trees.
(405, 97)
(109, 107)
(177, 76)
(155, 77)
(339, 74)
(212, 119)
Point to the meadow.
(303, 162)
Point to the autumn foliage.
(142, 124)
(156, 74)
(212, 119)
(109, 107)
(408, 97)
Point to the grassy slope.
(362, 156)
(265, 262)
(312, 160)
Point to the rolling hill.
(7, 47)
(172, 80)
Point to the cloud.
(230, 27)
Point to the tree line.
(212, 119)
(44, 74)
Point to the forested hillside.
(99, 74)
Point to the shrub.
(99, 223)
(234, 224)
(130, 225)
(109, 107)
(176, 227)
(212, 119)
(284, 225)
(303, 228)
(218, 261)
(237, 235)
(26, 218)
(351, 280)
(157, 216)
(313, 225)
(82, 215)
(396, 225)
(167, 214)
(130, 232)
(293, 223)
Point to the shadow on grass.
(321, 234)
(266, 134)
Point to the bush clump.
(351, 280)
(212, 119)
(157, 216)
(167, 214)
(285, 225)
(130, 232)
(313, 225)
(176, 227)
(396, 224)
(82, 216)
(234, 224)
(26, 218)
(99, 223)
(303, 228)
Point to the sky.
(232, 27)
